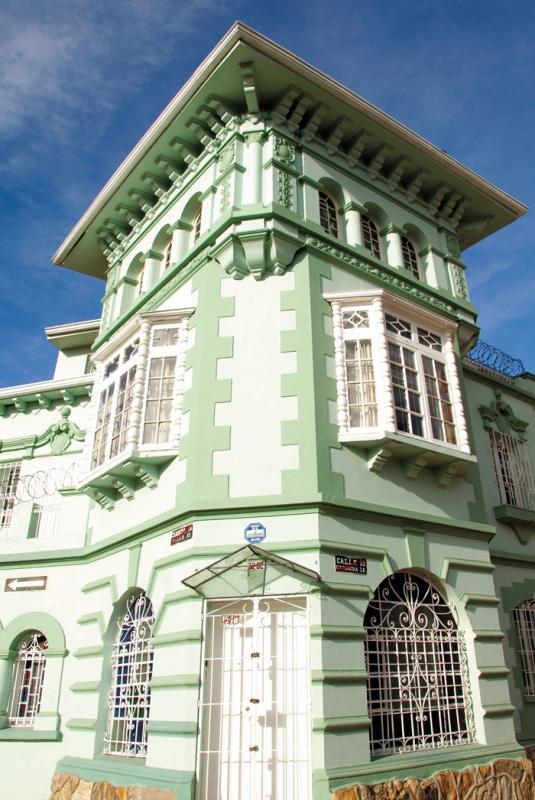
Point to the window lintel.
(132, 327)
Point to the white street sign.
(25, 584)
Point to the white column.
(179, 382)
(352, 224)
(394, 251)
(383, 381)
(456, 395)
(133, 436)
(340, 369)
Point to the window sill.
(520, 520)
(124, 475)
(415, 454)
(29, 735)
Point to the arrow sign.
(25, 584)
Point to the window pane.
(361, 398)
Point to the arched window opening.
(524, 615)
(166, 254)
(129, 698)
(328, 215)
(370, 235)
(410, 259)
(196, 224)
(418, 684)
(28, 679)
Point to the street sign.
(254, 533)
(182, 534)
(33, 584)
(358, 566)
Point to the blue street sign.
(254, 533)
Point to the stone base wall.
(504, 779)
(71, 787)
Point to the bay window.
(396, 373)
(138, 396)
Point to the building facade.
(267, 532)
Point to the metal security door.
(255, 711)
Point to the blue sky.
(81, 81)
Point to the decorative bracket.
(500, 416)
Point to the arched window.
(418, 687)
(328, 215)
(524, 615)
(196, 224)
(370, 235)
(129, 698)
(28, 679)
(166, 253)
(410, 259)
(140, 279)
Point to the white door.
(255, 710)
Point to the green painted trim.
(103, 583)
(95, 617)
(235, 509)
(81, 724)
(172, 599)
(465, 565)
(488, 636)
(171, 728)
(500, 710)
(29, 735)
(122, 772)
(348, 589)
(182, 637)
(340, 724)
(34, 620)
(337, 632)
(134, 555)
(415, 546)
(503, 557)
(340, 676)
(86, 686)
(494, 672)
(175, 681)
(479, 599)
(89, 652)
(418, 764)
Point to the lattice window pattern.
(418, 688)
(165, 337)
(356, 319)
(28, 680)
(398, 326)
(370, 235)
(9, 479)
(513, 470)
(429, 339)
(524, 615)
(129, 697)
(410, 259)
(328, 215)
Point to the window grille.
(28, 680)
(418, 686)
(47, 516)
(370, 235)
(129, 697)
(524, 615)
(410, 259)
(513, 470)
(328, 215)
(9, 479)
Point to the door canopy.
(252, 571)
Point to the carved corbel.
(231, 257)
(282, 251)
(20, 404)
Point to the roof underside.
(245, 72)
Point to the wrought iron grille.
(492, 358)
(418, 687)
(129, 697)
(513, 470)
(524, 615)
(46, 519)
(9, 479)
(28, 680)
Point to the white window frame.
(332, 225)
(512, 468)
(141, 328)
(379, 304)
(196, 224)
(161, 351)
(411, 259)
(364, 218)
(9, 481)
